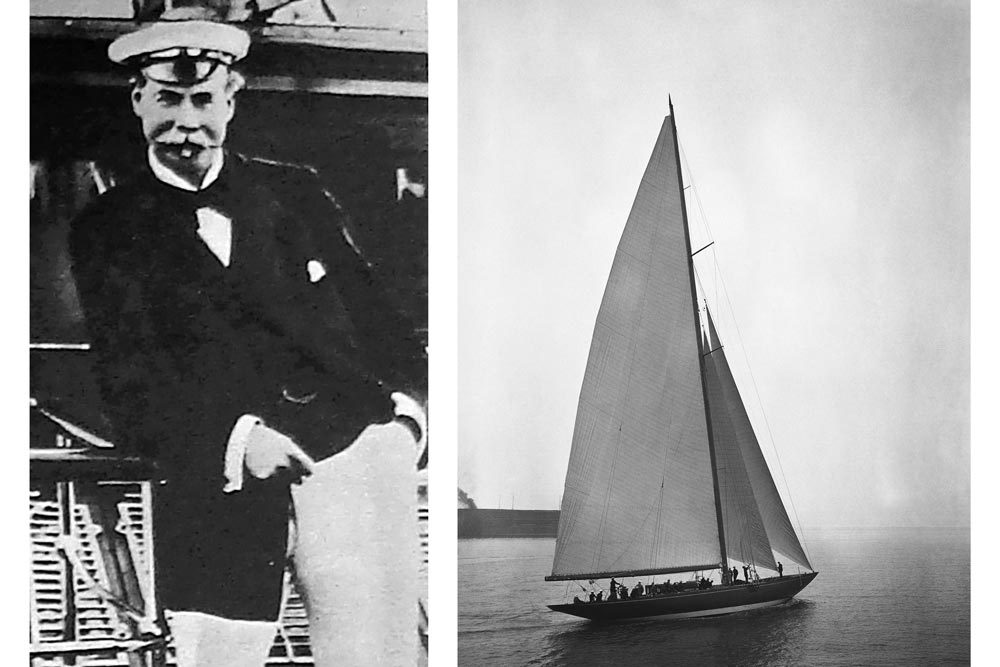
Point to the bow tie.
(213, 226)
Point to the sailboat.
(666, 475)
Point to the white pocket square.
(316, 270)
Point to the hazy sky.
(828, 147)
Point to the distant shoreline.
(486, 523)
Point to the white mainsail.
(764, 504)
(639, 494)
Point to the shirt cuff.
(409, 408)
(236, 451)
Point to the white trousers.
(355, 553)
(204, 640)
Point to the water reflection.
(769, 637)
(857, 612)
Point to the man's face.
(181, 122)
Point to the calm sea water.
(883, 597)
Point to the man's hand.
(270, 453)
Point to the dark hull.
(710, 602)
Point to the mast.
(724, 559)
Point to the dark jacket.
(186, 346)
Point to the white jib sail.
(780, 532)
(746, 538)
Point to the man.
(240, 339)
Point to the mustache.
(169, 133)
(183, 150)
(188, 144)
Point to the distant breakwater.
(473, 523)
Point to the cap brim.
(206, 35)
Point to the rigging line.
(767, 424)
(702, 214)
(718, 277)
(725, 290)
(704, 292)
(751, 521)
(703, 217)
(697, 195)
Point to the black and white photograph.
(714, 333)
(228, 333)
(704, 302)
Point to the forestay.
(745, 462)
